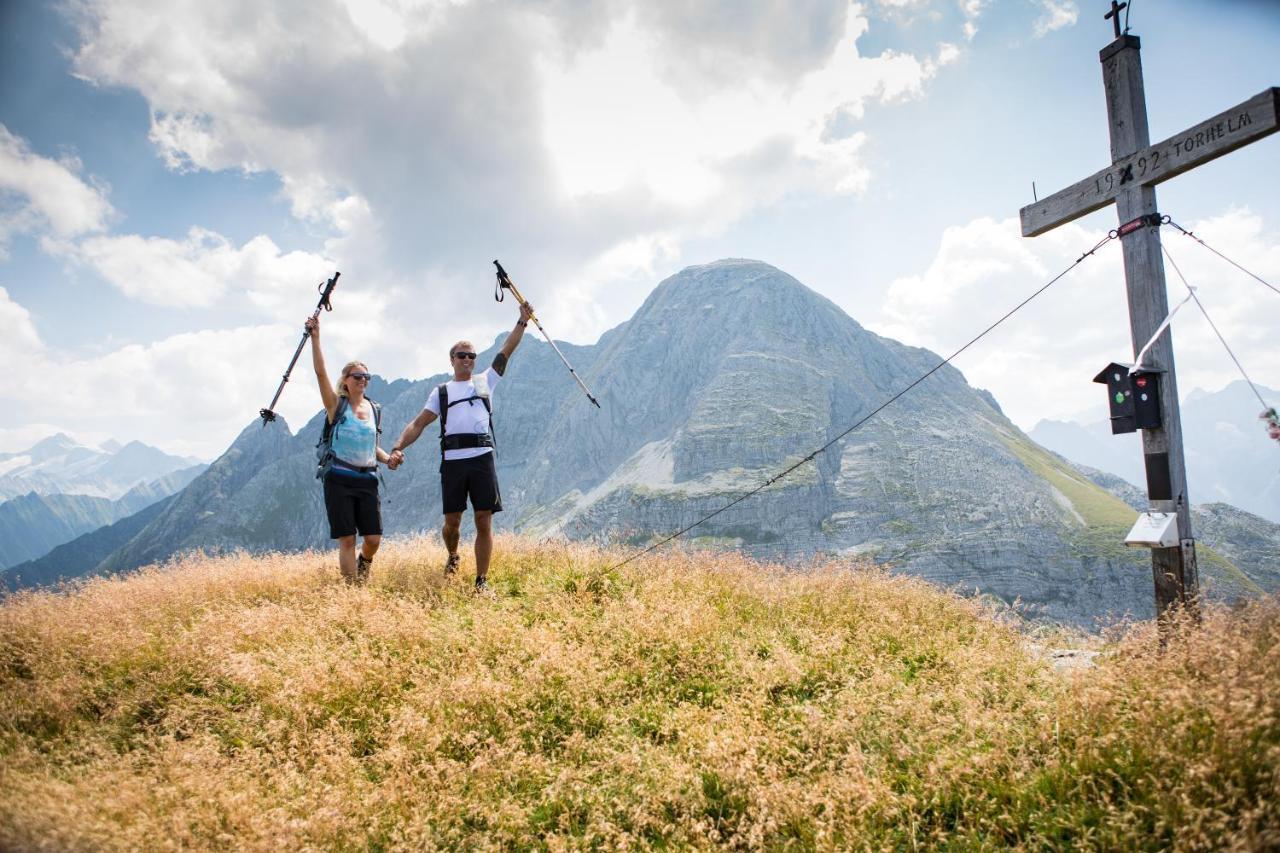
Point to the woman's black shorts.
(476, 477)
(353, 505)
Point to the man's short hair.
(457, 345)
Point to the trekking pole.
(505, 282)
(326, 290)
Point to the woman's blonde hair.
(340, 387)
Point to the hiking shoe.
(482, 585)
(451, 565)
(362, 569)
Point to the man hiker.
(464, 406)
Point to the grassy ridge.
(696, 699)
(1107, 519)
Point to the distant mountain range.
(33, 524)
(80, 556)
(728, 373)
(1229, 457)
(60, 465)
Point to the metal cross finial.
(1115, 14)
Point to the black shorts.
(353, 505)
(476, 477)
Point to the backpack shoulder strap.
(443, 391)
(377, 435)
(326, 431)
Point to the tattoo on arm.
(500, 363)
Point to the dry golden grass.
(696, 699)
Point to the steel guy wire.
(1196, 237)
(1110, 236)
(1214, 326)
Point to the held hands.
(396, 460)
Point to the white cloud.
(42, 195)
(615, 122)
(972, 11)
(1039, 363)
(439, 132)
(20, 340)
(582, 142)
(189, 393)
(192, 393)
(199, 270)
(1056, 14)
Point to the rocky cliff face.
(210, 513)
(733, 370)
(728, 373)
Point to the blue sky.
(175, 179)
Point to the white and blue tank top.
(355, 440)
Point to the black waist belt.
(338, 463)
(464, 441)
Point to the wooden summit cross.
(1136, 167)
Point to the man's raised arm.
(513, 340)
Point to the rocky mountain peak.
(732, 290)
(139, 450)
(258, 435)
(55, 445)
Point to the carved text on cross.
(1244, 123)
(1115, 13)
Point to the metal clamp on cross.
(1136, 167)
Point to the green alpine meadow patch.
(690, 699)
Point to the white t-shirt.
(466, 418)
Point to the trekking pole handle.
(326, 289)
(505, 282)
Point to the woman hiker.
(351, 479)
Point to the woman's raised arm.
(327, 395)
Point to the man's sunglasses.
(360, 377)
(469, 355)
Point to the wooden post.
(1174, 570)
